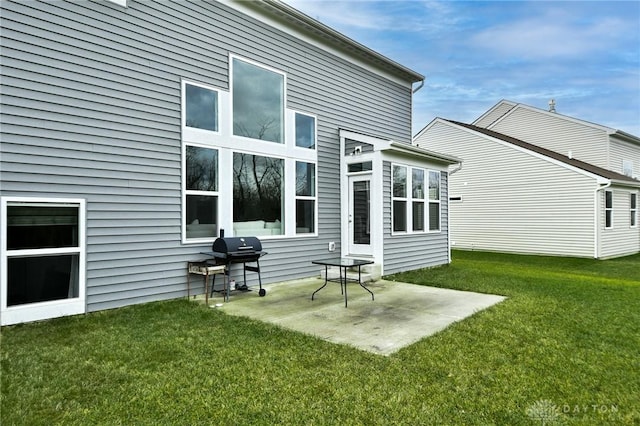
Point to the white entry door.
(360, 215)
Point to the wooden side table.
(206, 269)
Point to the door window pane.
(258, 102)
(201, 107)
(361, 212)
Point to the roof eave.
(316, 27)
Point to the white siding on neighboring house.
(622, 152)
(557, 133)
(512, 200)
(493, 114)
(621, 239)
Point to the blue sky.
(584, 54)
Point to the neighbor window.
(305, 197)
(608, 209)
(305, 131)
(258, 191)
(417, 202)
(627, 168)
(44, 257)
(258, 102)
(201, 107)
(201, 192)
(399, 197)
(633, 204)
(434, 201)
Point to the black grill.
(228, 250)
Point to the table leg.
(362, 285)
(325, 282)
(345, 284)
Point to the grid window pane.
(258, 188)
(434, 185)
(202, 216)
(399, 181)
(305, 131)
(399, 215)
(201, 108)
(434, 216)
(258, 102)
(305, 216)
(305, 179)
(418, 216)
(37, 227)
(202, 168)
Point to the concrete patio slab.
(400, 315)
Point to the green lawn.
(564, 348)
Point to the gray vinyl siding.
(621, 151)
(557, 133)
(492, 115)
(91, 104)
(513, 201)
(621, 239)
(412, 251)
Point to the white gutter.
(596, 229)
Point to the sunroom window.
(417, 202)
(258, 193)
(434, 201)
(258, 102)
(399, 198)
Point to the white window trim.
(196, 132)
(284, 101)
(291, 120)
(50, 309)
(408, 199)
(304, 197)
(226, 143)
(438, 201)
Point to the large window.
(258, 102)
(201, 192)
(399, 199)
(42, 259)
(434, 201)
(249, 165)
(258, 191)
(305, 197)
(633, 209)
(608, 209)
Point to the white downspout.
(457, 169)
(596, 229)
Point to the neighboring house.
(134, 132)
(512, 195)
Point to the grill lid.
(237, 245)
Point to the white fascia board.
(247, 8)
(599, 179)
